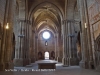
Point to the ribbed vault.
(46, 16)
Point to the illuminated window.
(46, 55)
(46, 35)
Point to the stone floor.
(60, 70)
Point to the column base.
(2, 66)
(84, 64)
(36, 59)
(59, 59)
(26, 62)
(98, 68)
(6, 65)
(9, 65)
(91, 65)
(65, 62)
(74, 61)
(18, 62)
(21, 62)
(32, 60)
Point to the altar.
(46, 64)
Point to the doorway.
(52, 55)
(39, 55)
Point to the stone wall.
(94, 19)
(94, 16)
(50, 44)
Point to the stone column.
(84, 42)
(58, 49)
(33, 47)
(65, 38)
(65, 59)
(82, 63)
(26, 56)
(2, 65)
(36, 46)
(70, 43)
(6, 43)
(22, 55)
(18, 61)
(37, 40)
(60, 44)
(55, 46)
(91, 63)
(8, 40)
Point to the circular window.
(46, 35)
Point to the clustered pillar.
(22, 57)
(86, 47)
(69, 56)
(65, 59)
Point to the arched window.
(46, 55)
(52, 55)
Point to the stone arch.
(53, 21)
(32, 10)
(79, 55)
(40, 55)
(52, 55)
(58, 15)
(97, 42)
(97, 50)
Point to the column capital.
(21, 20)
(64, 20)
(72, 21)
(25, 21)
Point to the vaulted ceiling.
(46, 14)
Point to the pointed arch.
(34, 8)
